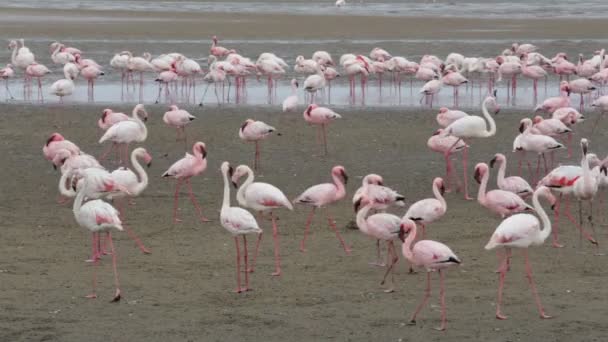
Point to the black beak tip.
(149, 164)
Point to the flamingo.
(66, 160)
(261, 197)
(321, 195)
(57, 142)
(98, 216)
(433, 256)
(21, 57)
(429, 89)
(551, 104)
(68, 49)
(134, 183)
(581, 86)
(184, 169)
(140, 64)
(320, 116)
(7, 73)
(120, 61)
(91, 73)
(501, 202)
(128, 131)
(509, 68)
(166, 78)
(429, 210)
(305, 66)
(323, 58)
(110, 117)
(473, 127)
(64, 87)
(38, 71)
(237, 221)
(447, 116)
(255, 131)
(178, 118)
(291, 102)
(373, 191)
(522, 231)
(536, 143)
(382, 226)
(446, 145)
(514, 184)
(454, 79)
(61, 57)
(315, 82)
(188, 69)
(215, 76)
(533, 72)
(219, 51)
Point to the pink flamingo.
(429, 210)
(563, 67)
(509, 68)
(178, 118)
(272, 67)
(385, 227)
(447, 116)
(551, 104)
(581, 86)
(291, 102)
(521, 231)
(7, 73)
(433, 256)
(446, 145)
(429, 89)
(237, 221)
(141, 65)
(501, 202)
(321, 195)
(21, 57)
(215, 76)
(533, 72)
(472, 127)
(120, 61)
(219, 51)
(585, 69)
(315, 82)
(183, 170)
(353, 67)
(330, 74)
(55, 143)
(166, 78)
(373, 191)
(261, 197)
(323, 58)
(98, 216)
(320, 116)
(38, 71)
(126, 132)
(514, 184)
(188, 69)
(540, 144)
(454, 79)
(91, 73)
(255, 131)
(65, 86)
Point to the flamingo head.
(585, 145)
(294, 82)
(12, 44)
(239, 172)
(54, 137)
(524, 124)
(537, 119)
(200, 149)
(141, 152)
(340, 172)
(500, 60)
(443, 110)
(405, 227)
(214, 38)
(246, 123)
(480, 170)
(373, 178)
(439, 183)
(105, 114)
(438, 132)
(141, 112)
(498, 157)
(173, 108)
(310, 108)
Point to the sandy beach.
(182, 291)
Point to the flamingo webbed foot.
(91, 296)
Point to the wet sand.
(182, 291)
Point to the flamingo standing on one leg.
(255, 131)
(321, 195)
(473, 127)
(98, 216)
(382, 226)
(183, 170)
(433, 256)
(237, 221)
(521, 231)
(178, 118)
(320, 116)
(261, 197)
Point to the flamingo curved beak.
(477, 176)
(492, 162)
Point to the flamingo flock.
(228, 72)
(100, 195)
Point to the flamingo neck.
(240, 194)
(488, 117)
(143, 176)
(78, 201)
(546, 231)
(361, 218)
(341, 191)
(226, 200)
(57, 49)
(439, 197)
(586, 173)
(501, 173)
(65, 190)
(407, 244)
(481, 194)
(14, 56)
